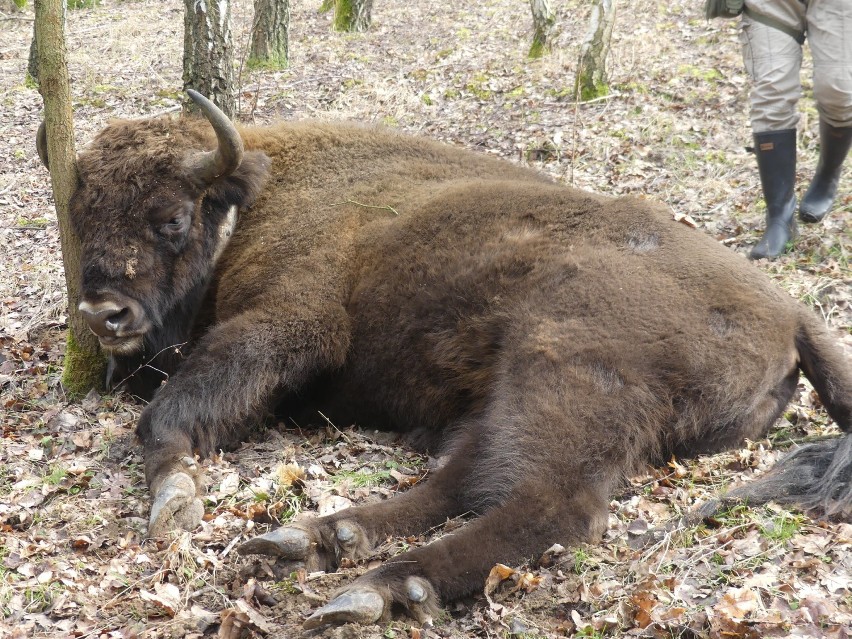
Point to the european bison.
(547, 340)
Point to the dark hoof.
(421, 602)
(286, 542)
(359, 605)
(176, 506)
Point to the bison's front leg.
(234, 375)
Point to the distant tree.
(592, 81)
(84, 364)
(270, 34)
(350, 15)
(208, 52)
(543, 20)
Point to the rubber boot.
(776, 162)
(834, 145)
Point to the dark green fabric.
(723, 8)
(733, 8)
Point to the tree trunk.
(543, 21)
(592, 80)
(84, 364)
(269, 35)
(352, 15)
(208, 53)
(32, 61)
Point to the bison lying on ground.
(549, 341)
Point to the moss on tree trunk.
(592, 79)
(269, 35)
(352, 15)
(83, 369)
(84, 363)
(543, 21)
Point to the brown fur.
(550, 340)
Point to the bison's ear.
(241, 187)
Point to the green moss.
(538, 48)
(590, 88)
(84, 370)
(477, 86)
(30, 82)
(343, 15)
(274, 63)
(701, 73)
(326, 6)
(37, 222)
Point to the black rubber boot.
(834, 145)
(776, 162)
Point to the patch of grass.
(700, 73)
(41, 597)
(476, 86)
(783, 527)
(56, 475)
(83, 4)
(581, 560)
(363, 478)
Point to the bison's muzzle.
(118, 321)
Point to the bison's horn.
(209, 165)
(41, 143)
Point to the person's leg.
(830, 38)
(773, 60)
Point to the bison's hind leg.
(537, 514)
(351, 534)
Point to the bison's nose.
(113, 316)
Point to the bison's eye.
(175, 225)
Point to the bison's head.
(152, 210)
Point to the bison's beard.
(122, 345)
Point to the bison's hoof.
(358, 605)
(365, 602)
(286, 542)
(176, 506)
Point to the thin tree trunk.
(543, 20)
(208, 52)
(84, 364)
(269, 34)
(352, 15)
(592, 81)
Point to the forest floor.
(74, 557)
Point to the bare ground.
(74, 559)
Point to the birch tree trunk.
(208, 52)
(543, 20)
(270, 35)
(352, 15)
(84, 364)
(592, 81)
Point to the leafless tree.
(84, 364)
(208, 52)
(592, 81)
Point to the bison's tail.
(817, 477)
